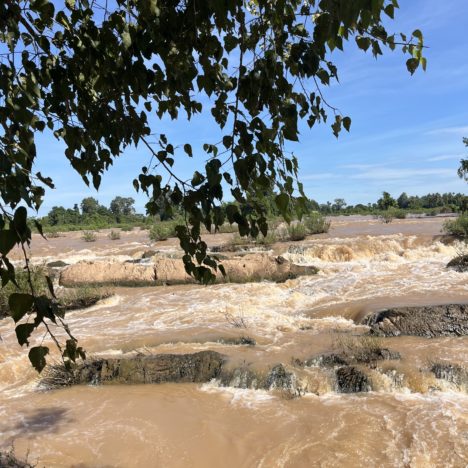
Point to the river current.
(364, 266)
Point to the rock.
(303, 270)
(349, 379)
(327, 360)
(149, 253)
(242, 377)
(428, 321)
(452, 373)
(286, 382)
(57, 264)
(164, 270)
(242, 340)
(160, 368)
(107, 273)
(364, 355)
(368, 356)
(459, 263)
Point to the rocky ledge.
(163, 270)
(427, 321)
(158, 368)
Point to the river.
(364, 266)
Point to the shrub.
(297, 232)
(399, 214)
(114, 235)
(38, 280)
(89, 236)
(269, 239)
(126, 228)
(162, 231)
(316, 224)
(53, 234)
(386, 216)
(457, 227)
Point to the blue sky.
(406, 132)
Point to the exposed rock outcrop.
(327, 360)
(349, 379)
(459, 263)
(160, 368)
(163, 270)
(428, 321)
(57, 264)
(452, 373)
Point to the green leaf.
(418, 34)
(8, 239)
(363, 42)
(282, 202)
(346, 123)
(188, 149)
(37, 357)
(412, 64)
(20, 304)
(23, 332)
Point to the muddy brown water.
(364, 266)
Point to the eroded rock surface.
(159, 368)
(428, 321)
(163, 270)
(349, 379)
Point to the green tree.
(403, 201)
(95, 74)
(463, 169)
(386, 202)
(89, 206)
(122, 206)
(338, 204)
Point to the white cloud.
(455, 130)
(318, 176)
(388, 174)
(445, 157)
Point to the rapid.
(408, 419)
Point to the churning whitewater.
(302, 382)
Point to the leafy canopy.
(96, 73)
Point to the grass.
(89, 236)
(69, 299)
(386, 217)
(317, 224)
(358, 348)
(10, 460)
(114, 235)
(162, 231)
(457, 227)
(237, 321)
(297, 232)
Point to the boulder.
(349, 379)
(459, 263)
(453, 373)
(427, 321)
(327, 360)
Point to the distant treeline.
(432, 203)
(90, 214)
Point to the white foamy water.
(413, 424)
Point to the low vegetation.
(114, 235)
(162, 231)
(296, 232)
(317, 224)
(89, 236)
(10, 460)
(68, 299)
(457, 227)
